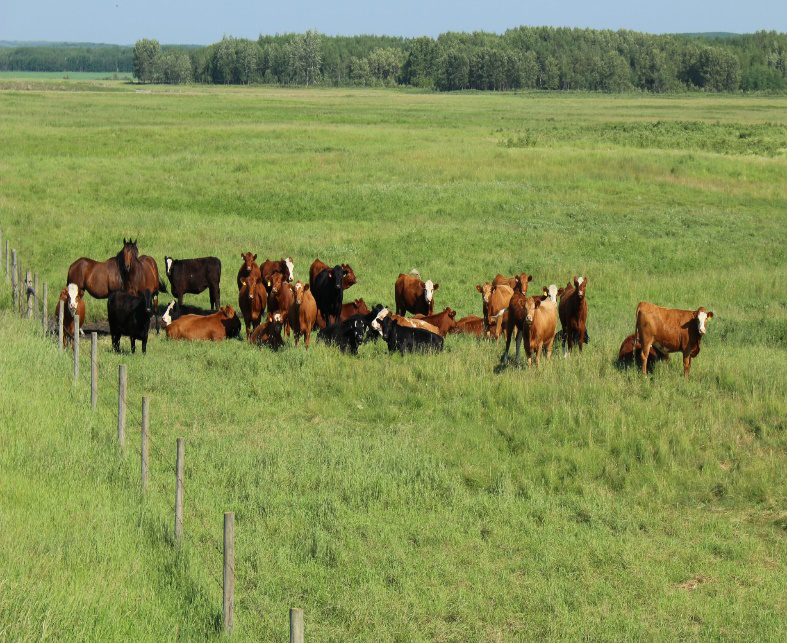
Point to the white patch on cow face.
(376, 325)
(166, 317)
(73, 292)
(168, 264)
(580, 280)
(701, 317)
(552, 293)
(429, 291)
(290, 267)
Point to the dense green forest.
(521, 58)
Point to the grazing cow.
(357, 307)
(281, 295)
(269, 333)
(251, 301)
(414, 296)
(193, 276)
(318, 266)
(284, 267)
(470, 325)
(669, 330)
(302, 313)
(407, 340)
(347, 335)
(444, 321)
(73, 305)
(573, 311)
(223, 324)
(536, 320)
(248, 267)
(631, 353)
(129, 316)
(327, 291)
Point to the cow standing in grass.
(573, 311)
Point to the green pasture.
(431, 498)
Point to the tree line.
(523, 58)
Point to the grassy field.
(419, 499)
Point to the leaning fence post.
(296, 625)
(14, 282)
(122, 384)
(60, 311)
(229, 571)
(93, 369)
(76, 348)
(44, 304)
(179, 494)
(29, 291)
(145, 441)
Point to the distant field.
(427, 498)
(70, 75)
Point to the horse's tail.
(162, 287)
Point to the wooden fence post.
(145, 442)
(296, 625)
(29, 292)
(179, 494)
(122, 385)
(35, 296)
(6, 259)
(229, 571)
(76, 348)
(60, 312)
(93, 369)
(44, 315)
(14, 282)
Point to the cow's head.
(377, 321)
(521, 282)
(251, 282)
(166, 318)
(297, 292)
(429, 289)
(349, 277)
(168, 266)
(358, 330)
(531, 304)
(335, 276)
(485, 290)
(702, 315)
(290, 266)
(551, 292)
(248, 260)
(580, 283)
(360, 307)
(228, 311)
(74, 294)
(147, 297)
(386, 326)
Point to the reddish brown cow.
(281, 295)
(357, 307)
(269, 333)
(283, 267)
(444, 321)
(573, 311)
(347, 280)
(536, 320)
(631, 352)
(495, 302)
(251, 301)
(302, 313)
(470, 325)
(216, 327)
(670, 330)
(73, 304)
(414, 296)
(247, 267)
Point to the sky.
(202, 22)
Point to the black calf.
(407, 340)
(129, 316)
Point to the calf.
(631, 352)
(129, 316)
(269, 333)
(669, 330)
(318, 266)
(247, 268)
(413, 295)
(470, 325)
(73, 305)
(407, 340)
(284, 267)
(223, 324)
(347, 335)
(302, 313)
(357, 307)
(251, 301)
(327, 292)
(444, 321)
(536, 320)
(193, 276)
(573, 311)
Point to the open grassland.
(417, 499)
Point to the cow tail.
(162, 287)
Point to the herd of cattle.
(274, 305)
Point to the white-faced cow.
(414, 296)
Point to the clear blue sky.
(205, 21)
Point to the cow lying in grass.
(405, 339)
(223, 324)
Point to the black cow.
(407, 340)
(349, 334)
(327, 292)
(193, 276)
(129, 316)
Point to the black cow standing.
(327, 292)
(129, 316)
(407, 340)
(193, 276)
(348, 335)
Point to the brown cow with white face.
(73, 306)
(670, 330)
(413, 295)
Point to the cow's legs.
(504, 358)
(549, 347)
(144, 344)
(133, 345)
(581, 338)
(518, 342)
(644, 355)
(686, 364)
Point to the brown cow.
(630, 353)
(414, 296)
(414, 323)
(73, 304)
(357, 307)
(302, 313)
(216, 327)
(247, 267)
(251, 301)
(444, 321)
(281, 295)
(536, 320)
(470, 325)
(495, 302)
(670, 330)
(318, 266)
(573, 311)
(283, 267)
(269, 333)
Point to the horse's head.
(129, 254)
